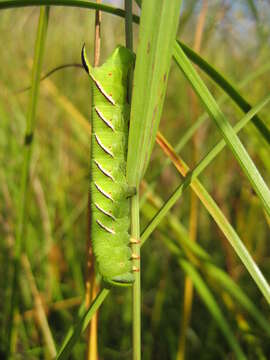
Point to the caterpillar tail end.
(124, 280)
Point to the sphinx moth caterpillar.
(110, 218)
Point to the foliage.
(228, 314)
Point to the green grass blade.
(158, 27)
(214, 210)
(225, 128)
(81, 325)
(201, 119)
(70, 332)
(182, 235)
(136, 289)
(135, 217)
(28, 144)
(212, 307)
(84, 4)
(192, 129)
(206, 297)
(220, 146)
(207, 265)
(260, 29)
(199, 169)
(222, 223)
(87, 4)
(234, 240)
(221, 81)
(232, 288)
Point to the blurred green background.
(234, 39)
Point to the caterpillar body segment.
(110, 218)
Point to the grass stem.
(81, 325)
(135, 216)
(92, 287)
(27, 154)
(135, 233)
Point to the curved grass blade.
(193, 128)
(86, 4)
(215, 212)
(218, 148)
(189, 247)
(207, 265)
(221, 81)
(207, 298)
(191, 176)
(212, 307)
(84, 319)
(225, 128)
(158, 26)
(156, 39)
(224, 84)
(232, 288)
(211, 206)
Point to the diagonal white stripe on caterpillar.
(105, 172)
(103, 192)
(104, 211)
(103, 146)
(102, 117)
(111, 231)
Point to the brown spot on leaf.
(148, 47)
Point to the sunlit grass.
(235, 312)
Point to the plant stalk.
(128, 24)
(135, 234)
(27, 154)
(135, 214)
(75, 332)
(92, 287)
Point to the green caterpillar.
(110, 219)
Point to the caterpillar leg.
(134, 256)
(134, 241)
(135, 269)
(131, 191)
